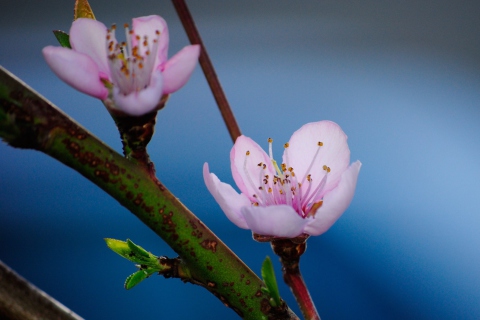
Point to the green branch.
(27, 120)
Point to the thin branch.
(294, 279)
(21, 300)
(208, 70)
(290, 252)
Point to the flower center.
(131, 66)
(284, 187)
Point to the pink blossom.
(307, 193)
(131, 76)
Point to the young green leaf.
(63, 38)
(139, 251)
(134, 279)
(125, 250)
(118, 246)
(134, 253)
(268, 275)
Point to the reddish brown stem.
(289, 253)
(208, 70)
(299, 289)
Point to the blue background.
(401, 78)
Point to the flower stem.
(208, 70)
(135, 133)
(289, 253)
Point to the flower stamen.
(307, 172)
(275, 165)
(318, 190)
(131, 62)
(314, 208)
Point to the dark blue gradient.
(401, 78)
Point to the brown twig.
(208, 70)
(19, 299)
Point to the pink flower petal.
(228, 199)
(140, 102)
(279, 220)
(335, 202)
(147, 26)
(88, 36)
(76, 69)
(179, 68)
(334, 153)
(248, 175)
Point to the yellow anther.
(270, 140)
(255, 204)
(260, 164)
(247, 153)
(125, 25)
(325, 167)
(309, 177)
(286, 145)
(320, 144)
(314, 208)
(270, 190)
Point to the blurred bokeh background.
(401, 78)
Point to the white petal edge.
(334, 152)
(228, 199)
(278, 220)
(89, 37)
(140, 102)
(76, 69)
(246, 176)
(179, 68)
(147, 26)
(335, 202)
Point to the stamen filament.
(129, 41)
(250, 181)
(307, 172)
(287, 159)
(318, 189)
